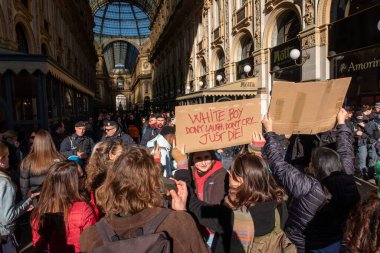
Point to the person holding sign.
(210, 180)
(251, 216)
(324, 196)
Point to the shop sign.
(364, 60)
(280, 55)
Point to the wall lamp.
(295, 55)
(247, 68)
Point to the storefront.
(35, 92)
(244, 89)
(282, 66)
(354, 50)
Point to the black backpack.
(146, 240)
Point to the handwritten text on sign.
(217, 125)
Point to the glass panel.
(21, 39)
(121, 19)
(25, 100)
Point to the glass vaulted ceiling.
(148, 6)
(121, 19)
(120, 57)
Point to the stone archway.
(323, 12)
(21, 20)
(273, 19)
(236, 45)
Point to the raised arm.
(297, 183)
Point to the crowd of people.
(106, 188)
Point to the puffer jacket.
(53, 235)
(307, 192)
(9, 211)
(31, 181)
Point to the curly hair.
(132, 184)
(99, 162)
(362, 233)
(257, 185)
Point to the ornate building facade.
(47, 62)
(215, 50)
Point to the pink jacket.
(58, 237)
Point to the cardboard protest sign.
(307, 108)
(217, 125)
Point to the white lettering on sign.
(375, 63)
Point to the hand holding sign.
(267, 123)
(217, 125)
(342, 115)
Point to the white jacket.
(167, 161)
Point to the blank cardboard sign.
(307, 108)
(217, 125)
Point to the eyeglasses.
(109, 129)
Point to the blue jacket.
(308, 194)
(9, 211)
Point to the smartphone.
(169, 184)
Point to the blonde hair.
(42, 154)
(3, 150)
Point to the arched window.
(120, 83)
(246, 47)
(44, 50)
(200, 29)
(288, 27)
(220, 60)
(202, 68)
(191, 73)
(22, 42)
(217, 13)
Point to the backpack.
(274, 242)
(146, 240)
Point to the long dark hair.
(325, 161)
(59, 191)
(258, 184)
(362, 233)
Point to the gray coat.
(9, 211)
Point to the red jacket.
(58, 237)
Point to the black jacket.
(308, 194)
(220, 218)
(74, 143)
(120, 137)
(150, 133)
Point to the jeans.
(332, 248)
(362, 154)
(372, 155)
